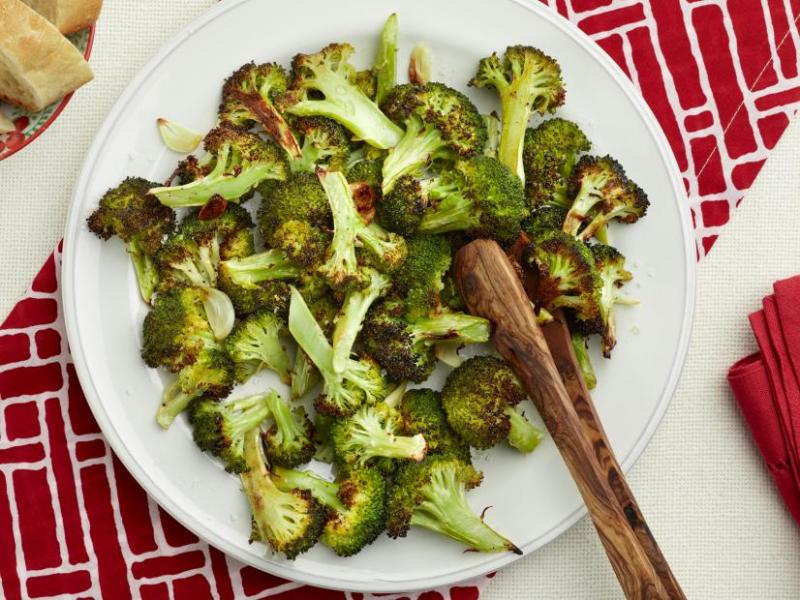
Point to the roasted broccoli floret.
(404, 347)
(329, 73)
(256, 343)
(258, 281)
(613, 275)
(527, 81)
(324, 143)
(580, 344)
(479, 196)
(440, 123)
(388, 250)
(421, 412)
(241, 160)
(420, 281)
(547, 217)
(480, 399)
(343, 390)
(129, 212)
(385, 67)
(356, 501)
(191, 255)
(290, 522)
(372, 433)
(602, 192)
(219, 426)
(211, 375)
(567, 277)
(549, 154)
(248, 97)
(289, 442)
(432, 494)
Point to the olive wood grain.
(491, 288)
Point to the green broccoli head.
(289, 442)
(219, 426)
(256, 343)
(328, 73)
(567, 277)
(601, 192)
(481, 197)
(420, 280)
(421, 412)
(440, 123)
(548, 217)
(549, 154)
(479, 398)
(432, 494)
(402, 209)
(258, 281)
(527, 81)
(289, 522)
(129, 212)
(325, 143)
(248, 97)
(371, 433)
(238, 161)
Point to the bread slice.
(67, 15)
(38, 65)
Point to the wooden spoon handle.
(491, 289)
(559, 342)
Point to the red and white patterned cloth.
(721, 77)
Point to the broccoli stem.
(386, 60)
(308, 334)
(467, 329)
(145, 269)
(584, 360)
(265, 266)
(266, 348)
(342, 263)
(289, 430)
(327, 492)
(523, 436)
(445, 511)
(347, 104)
(246, 413)
(304, 375)
(453, 213)
(417, 146)
(589, 194)
(173, 402)
(375, 442)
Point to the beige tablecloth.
(701, 484)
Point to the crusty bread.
(67, 15)
(38, 65)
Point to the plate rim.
(331, 581)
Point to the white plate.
(533, 497)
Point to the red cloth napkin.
(767, 387)
(722, 80)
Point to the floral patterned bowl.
(30, 125)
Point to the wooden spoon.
(491, 288)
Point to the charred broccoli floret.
(480, 399)
(256, 343)
(238, 161)
(356, 501)
(421, 412)
(480, 196)
(191, 255)
(371, 433)
(329, 73)
(248, 97)
(602, 192)
(567, 277)
(289, 442)
(432, 494)
(324, 144)
(527, 81)
(549, 154)
(420, 280)
(219, 426)
(405, 348)
(547, 217)
(344, 390)
(290, 522)
(258, 282)
(580, 344)
(387, 249)
(613, 275)
(440, 123)
(129, 212)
